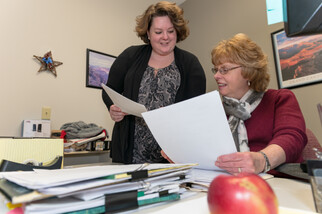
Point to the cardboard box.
(36, 128)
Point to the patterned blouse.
(156, 90)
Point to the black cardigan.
(125, 78)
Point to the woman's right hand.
(234, 163)
(116, 113)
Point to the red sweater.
(278, 120)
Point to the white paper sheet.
(193, 131)
(206, 176)
(61, 205)
(127, 105)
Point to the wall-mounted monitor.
(302, 17)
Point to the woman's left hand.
(235, 163)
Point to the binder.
(156, 177)
(18, 194)
(120, 202)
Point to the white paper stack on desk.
(94, 189)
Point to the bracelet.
(267, 163)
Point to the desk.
(294, 197)
(293, 194)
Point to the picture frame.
(298, 60)
(98, 66)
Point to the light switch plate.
(45, 113)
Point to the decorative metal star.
(48, 63)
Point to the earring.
(248, 83)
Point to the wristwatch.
(267, 163)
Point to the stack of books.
(94, 189)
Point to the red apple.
(241, 194)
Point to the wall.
(214, 20)
(66, 28)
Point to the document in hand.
(192, 131)
(127, 105)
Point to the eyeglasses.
(223, 71)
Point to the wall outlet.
(45, 113)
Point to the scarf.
(239, 111)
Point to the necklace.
(155, 71)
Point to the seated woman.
(267, 125)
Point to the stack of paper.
(95, 188)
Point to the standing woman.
(155, 74)
(267, 125)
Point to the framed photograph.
(298, 60)
(98, 66)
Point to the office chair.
(312, 142)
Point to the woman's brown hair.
(241, 50)
(163, 8)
